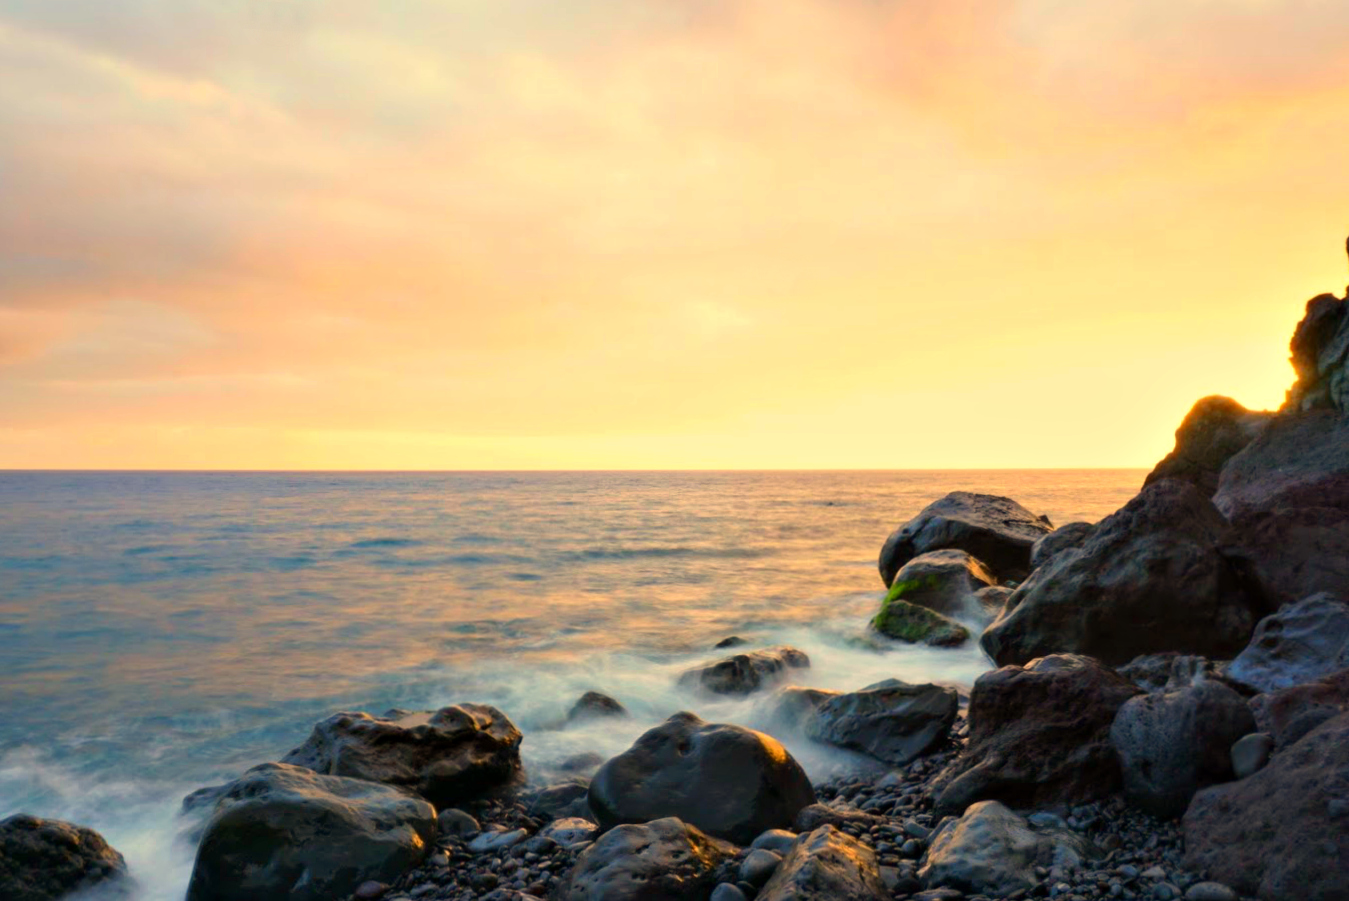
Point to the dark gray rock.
(991, 600)
(446, 756)
(1173, 743)
(43, 860)
(729, 781)
(1290, 713)
(1170, 671)
(1301, 643)
(1039, 736)
(1289, 553)
(1210, 891)
(592, 706)
(1065, 538)
(758, 866)
(456, 822)
(779, 841)
(727, 891)
(743, 674)
(1320, 349)
(1271, 834)
(733, 641)
(663, 860)
(892, 721)
(562, 799)
(944, 581)
(1215, 430)
(1250, 753)
(570, 830)
(996, 530)
(992, 851)
(826, 865)
(792, 707)
(286, 833)
(817, 815)
(1150, 579)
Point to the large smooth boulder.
(43, 860)
(446, 756)
(944, 581)
(1215, 430)
(1301, 643)
(996, 530)
(1038, 736)
(742, 674)
(1065, 538)
(902, 621)
(1290, 713)
(826, 865)
(729, 781)
(992, 851)
(1150, 578)
(663, 860)
(1280, 834)
(1320, 356)
(1173, 743)
(286, 833)
(892, 721)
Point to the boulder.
(729, 781)
(1038, 736)
(1064, 538)
(42, 860)
(745, 673)
(1301, 643)
(792, 707)
(1250, 753)
(996, 530)
(944, 581)
(991, 600)
(892, 721)
(1215, 430)
(446, 756)
(663, 860)
(1299, 460)
(592, 706)
(1291, 553)
(903, 621)
(1173, 743)
(826, 865)
(1275, 834)
(1150, 578)
(1290, 713)
(1320, 349)
(286, 833)
(1170, 671)
(992, 851)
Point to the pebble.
(1337, 808)
(1210, 891)
(371, 890)
(455, 822)
(727, 892)
(496, 841)
(757, 868)
(778, 840)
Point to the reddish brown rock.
(1290, 713)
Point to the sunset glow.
(655, 234)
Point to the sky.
(656, 234)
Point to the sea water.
(164, 631)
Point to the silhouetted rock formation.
(1215, 430)
(996, 530)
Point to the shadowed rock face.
(892, 721)
(1320, 355)
(446, 756)
(729, 781)
(826, 865)
(285, 833)
(742, 674)
(663, 860)
(1290, 713)
(1301, 643)
(43, 860)
(1039, 736)
(996, 530)
(1215, 430)
(1279, 834)
(1151, 578)
(1064, 538)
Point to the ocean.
(164, 631)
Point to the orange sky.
(456, 234)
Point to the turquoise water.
(159, 631)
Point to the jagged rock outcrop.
(1320, 356)
(663, 860)
(824, 866)
(44, 860)
(742, 674)
(1215, 430)
(996, 530)
(446, 756)
(892, 721)
(729, 781)
(1151, 578)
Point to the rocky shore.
(1168, 719)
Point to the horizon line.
(19, 470)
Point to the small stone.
(496, 841)
(1210, 891)
(917, 830)
(912, 849)
(1251, 752)
(757, 868)
(455, 822)
(1153, 872)
(727, 892)
(939, 894)
(370, 890)
(779, 841)
(1337, 808)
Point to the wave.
(385, 542)
(636, 553)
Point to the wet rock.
(903, 621)
(1039, 736)
(1250, 753)
(991, 600)
(286, 833)
(1172, 743)
(446, 756)
(943, 581)
(892, 721)
(758, 866)
(43, 860)
(825, 865)
(992, 851)
(1272, 834)
(457, 823)
(779, 841)
(1301, 643)
(996, 530)
(569, 831)
(1290, 713)
(1150, 578)
(743, 674)
(1065, 538)
(592, 706)
(791, 707)
(663, 860)
(733, 641)
(562, 799)
(1215, 430)
(729, 781)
